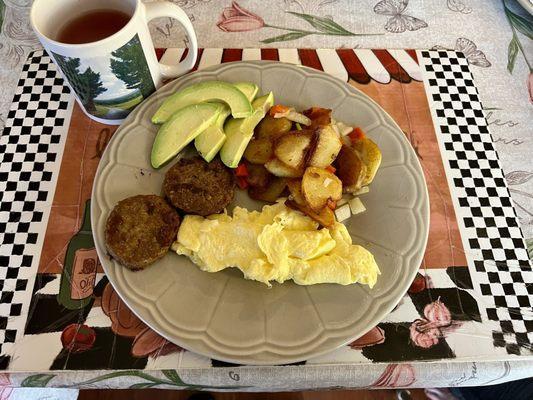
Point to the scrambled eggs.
(276, 244)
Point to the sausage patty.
(198, 187)
(140, 230)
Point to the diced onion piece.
(343, 128)
(346, 131)
(346, 140)
(294, 116)
(297, 117)
(361, 191)
(327, 181)
(356, 205)
(342, 201)
(336, 129)
(343, 212)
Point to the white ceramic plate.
(225, 317)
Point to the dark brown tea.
(92, 26)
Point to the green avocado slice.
(248, 88)
(239, 132)
(210, 141)
(205, 91)
(181, 129)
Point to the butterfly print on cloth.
(398, 22)
(473, 55)
(190, 3)
(469, 49)
(309, 6)
(458, 6)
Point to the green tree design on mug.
(87, 85)
(129, 65)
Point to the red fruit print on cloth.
(77, 338)
(426, 332)
(149, 343)
(396, 376)
(374, 336)
(125, 323)
(238, 19)
(418, 285)
(5, 387)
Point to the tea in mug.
(92, 26)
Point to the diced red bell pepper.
(242, 182)
(356, 134)
(277, 109)
(241, 170)
(331, 168)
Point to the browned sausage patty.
(140, 230)
(198, 187)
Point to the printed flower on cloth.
(396, 376)
(237, 19)
(5, 387)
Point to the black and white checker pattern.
(492, 238)
(31, 148)
(30, 153)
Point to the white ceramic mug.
(106, 94)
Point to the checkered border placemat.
(30, 149)
(497, 254)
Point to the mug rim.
(82, 45)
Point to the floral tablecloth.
(494, 36)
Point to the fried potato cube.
(319, 186)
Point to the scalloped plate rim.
(384, 300)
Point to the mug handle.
(167, 9)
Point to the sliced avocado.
(209, 142)
(240, 131)
(205, 91)
(261, 106)
(248, 88)
(181, 129)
